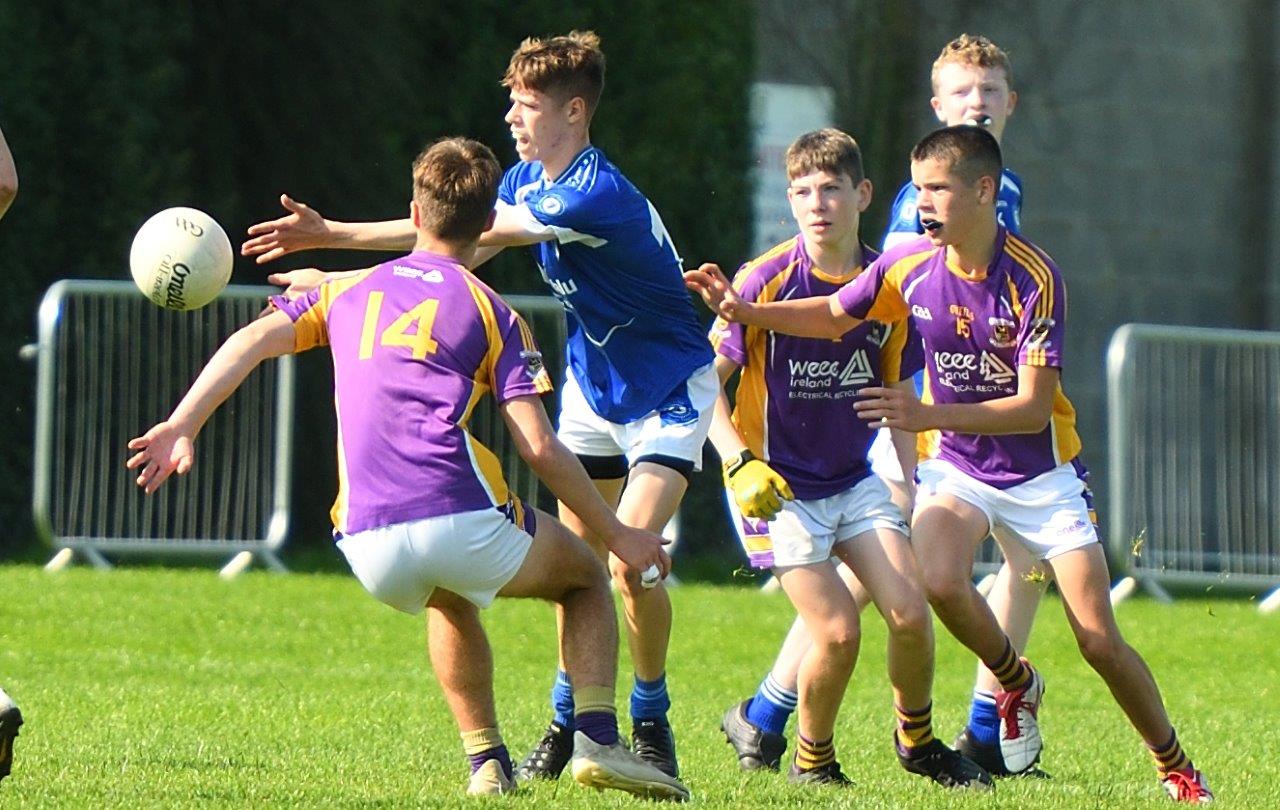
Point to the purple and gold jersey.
(976, 333)
(406, 382)
(794, 407)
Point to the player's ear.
(415, 214)
(864, 191)
(987, 187)
(488, 223)
(1013, 101)
(577, 109)
(936, 104)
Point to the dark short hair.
(825, 150)
(971, 151)
(455, 184)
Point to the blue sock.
(771, 706)
(984, 722)
(649, 699)
(562, 700)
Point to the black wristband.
(735, 463)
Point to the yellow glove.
(757, 489)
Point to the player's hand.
(298, 283)
(758, 490)
(889, 407)
(301, 229)
(709, 282)
(639, 549)
(161, 451)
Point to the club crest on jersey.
(550, 205)
(533, 367)
(877, 333)
(1002, 332)
(1040, 329)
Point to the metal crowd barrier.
(110, 365)
(1195, 458)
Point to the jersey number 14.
(420, 319)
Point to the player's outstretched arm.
(1026, 411)
(303, 228)
(821, 317)
(757, 488)
(563, 474)
(167, 448)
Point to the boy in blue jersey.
(801, 490)
(972, 84)
(640, 387)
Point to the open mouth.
(931, 225)
(980, 120)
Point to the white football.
(181, 258)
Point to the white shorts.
(472, 554)
(884, 458)
(806, 532)
(1049, 515)
(676, 433)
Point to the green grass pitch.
(158, 687)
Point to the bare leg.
(883, 560)
(1085, 588)
(832, 618)
(945, 532)
(462, 660)
(610, 490)
(1014, 599)
(652, 496)
(561, 568)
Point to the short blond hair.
(825, 150)
(455, 184)
(568, 66)
(972, 50)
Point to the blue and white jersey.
(634, 337)
(904, 221)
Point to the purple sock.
(500, 753)
(600, 727)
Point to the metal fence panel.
(1195, 454)
(110, 365)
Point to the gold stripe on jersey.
(1062, 427)
(311, 329)
(342, 503)
(1029, 260)
(891, 306)
(927, 441)
(891, 353)
(751, 403)
(488, 371)
(486, 465)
